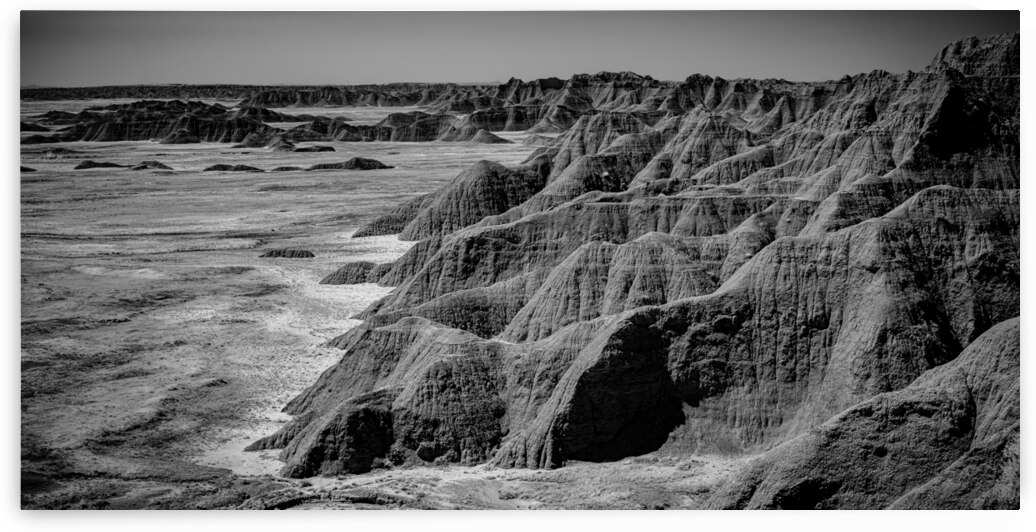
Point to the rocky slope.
(948, 440)
(801, 271)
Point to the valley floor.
(156, 344)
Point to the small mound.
(86, 165)
(180, 136)
(356, 163)
(27, 169)
(29, 126)
(485, 137)
(40, 139)
(351, 273)
(314, 149)
(287, 254)
(232, 168)
(150, 165)
(286, 169)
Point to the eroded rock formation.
(824, 274)
(355, 163)
(150, 165)
(231, 168)
(287, 253)
(86, 165)
(314, 149)
(948, 440)
(351, 273)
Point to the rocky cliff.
(821, 274)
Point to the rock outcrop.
(150, 165)
(268, 139)
(86, 165)
(356, 273)
(171, 122)
(287, 253)
(166, 121)
(356, 163)
(808, 273)
(231, 168)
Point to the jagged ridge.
(711, 265)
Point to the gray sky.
(122, 48)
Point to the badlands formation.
(823, 274)
(816, 280)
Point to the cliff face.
(803, 271)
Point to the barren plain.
(156, 344)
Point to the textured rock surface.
(395, 220)
(288, 254)
(170, 122)
(231, 168)
(740, 267)
(948, 440)
(484, 189)
(150, 165)
(86, 165)
(351, 273)
(266, 139)
(356, 163)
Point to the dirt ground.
(156, 344)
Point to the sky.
(124, 48)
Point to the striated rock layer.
(824, 275)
